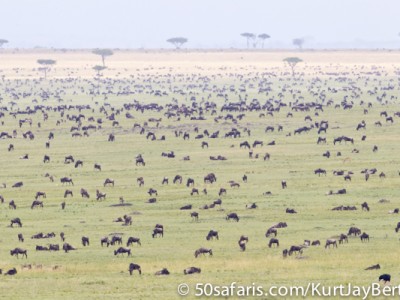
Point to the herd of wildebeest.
(203, 109)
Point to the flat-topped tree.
(177, 41)
(98, 69)
(298, 42)
(249, 37)
(46, 63)
(2, 42)
(103, 53)
(263, 37)
(292, 62)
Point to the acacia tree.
(250, 37)
(298, 42)
(177, 41)
(103, 53)
(46, 63)
(292, 62)
(263, 37)
(98, 69)
(2, 42)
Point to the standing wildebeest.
(194, 191)
(116, 240)
(66, 180)
(46, 159)
(40, 194)
(100, 195)
(354, 230)
(158, 231)
(364, 237)
(298, 249)
(105, 240)
(385, 278)
(122, 250)
(20, 237)
(212, 234)
(152, 191)
(108, 181)
(140, 181)
(132, 240)
(270, 231)
(68, 192)
(84, 193)
(69, 159)
(18, 251)
(190, 182)
(191, 270)
(330, 242)
(78, 163)
(233, 216)
(36, 203)
(133, 267)
(316, 243)
(165, 180)
(12, 204)
(178, 178)
(320, 171)
(284, 184)
(222, 191)
(210, 178)
(85, 241)
(67, 247)
(163, 271)
(16, 221)
(140, 161)
(194, 215)
(273, 241)
(365, 206)
(97, 167)
(343, 238)
(203, 251)
(242, 242)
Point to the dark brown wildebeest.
(191, 270)
(152, 200)
(233, 216)
(66, 180)
(69, 159)
(108, 181)
(210, 178)
(20, 237)
(152, 191)
(298, 249)
(273, 241)
(11, 272)
(364, 237)
(18, 251)
(267, 156)
(36, 203)
(385, 277)
(330, 242)
(212, 234)
(284, 184)
(347, 177)
(251, 206)
(290, 211)
(132, 240)
(245, 144)
(78, 163)
(194, 215)
(243, 240)
(270, 231)
(46, 159)
(85, 241)
(177, 178)
(373, 267)
(140, 181)
(234, 184)
(41, 248)
(204, 144)
(256, 143)
(186, 207)
(365, 206)
(320, 171)
(158, 232)
(62, 236)
(163, 271)
(217, 202)
(111, 137)
(40, 194)
(244, 178)
(133, 267)
(190, 182)
(67, 247)
(222, 191)
(17, 184)
(63, 205)
(321, 140)
(316, 243)
(84, 193)
(397, 227)
(203, 251)
(122, 250)
(97, 167)
(68, 192)
(105, 240)
(285, 253)
(140, 161)
(382, 175)
(327, 154)
(116, 240)
(194, 191)
(354, 231)
(10, 147)
(100, 195)
(127, 220)
(375, 148)
(165, 180)
(343, 238)
(16, 221)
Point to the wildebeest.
(84, 193)
(293, 249)
(85, 241)
(17, 184)
(54, 247)
(41, 248)
(36, 203)
(105, 240)
(233, 216)
(354, 231)
(330, 242)
(16, 221)
(132, 240)
(97, 167)
(78, 163)
(203, 251)
(108, 181)
(273, 241)
(100, 195)
(191, 270)
(67, 247)
(343, 238)
(177, 178)
(212, 234)
(270, 231)
(222, 191)
(40, 194)
(364, 237)
(18, 251)
(290, 211)
(133, 267)
(11, 272)
(320, 171)
(66, 180)
(251, 206)
(152, 191)
(116, 240)
(158, 232)
(365, 206)
(68, 193)
(122, 250)
(385, 277)
(20, 237)
(194, 191)
(194, 215)
(373, 267)
(284, 184)
(12, 204)
(163, 271)
(69, 159)
(316, 243)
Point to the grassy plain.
(95, 273)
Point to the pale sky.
(206, 23)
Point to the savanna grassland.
(193, 79)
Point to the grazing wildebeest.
(203, 251)
(284, 184)
(140, 161)
(343, 238)
(194, 215)
(132, 240)
(68, 192)
(364, 237)
(11, 272)
(365, 206)
(316, 243)
(212, 234)
(191, 270)
(85, 241)
(140, 181)
(69, 159)
(158, 232)
(67, 247)
(133, 267)
(385, 278)
(204, 144)
(298, 249)
(327, 154)
(261, 143)
(243, 240)
(320, 171)
(20, 237)
(177, 178)
(84, 193)
(373, 267)
(105, 240)
(290, 211)
(152, 191)
(222, 191)
(40, 194)
(163, 271)
(97, 167)
(233, 216)
(234, 184)
(12, 204)
(46, 159)
(194, 191)
(165, 180)
(270, 231)
(354, 231)
(245, 144)
(285, 253)
(273, 241)
(16, 221)
(108, 181)
(116, 240)
(36, 203)
(41, 248)
(330, 242)
(122, 250)
(66, 180)
(190, 182)
(100, 195)
(18, 251)
(17, 184)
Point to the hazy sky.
(206, 23)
